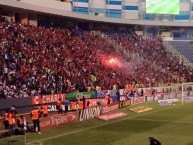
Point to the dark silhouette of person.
(154, 141)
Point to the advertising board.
(109, 108)
(188, 99)
(80, 95)
(47, 98)
(126, 103)
(167, 102)
(114, 95)
(52, 108)
(89, 113)
(111, 115)
(102, 93)
(137, 100)
(152, 98)
(94, 102)
(140, 109)
(58, 120)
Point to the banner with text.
(89, 113)
(102, 93)
(114, 95)
(80, 95)
(109, 108)
(47, 98)
(126, 103)
(58, 120)
(137, 100)
(111, 115)
(95, 102)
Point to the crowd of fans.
(47, 60)
(156, 67)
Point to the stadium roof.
(4, 4)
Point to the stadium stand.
(181, 36)
(48, 60)
(185, 48)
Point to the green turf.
(172, 125)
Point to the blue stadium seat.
(185, 48)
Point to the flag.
(25, 124)
(25, 128)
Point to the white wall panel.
(118, 7)
(130, 11)
(33, 22)
(98, 3)
(79, 4)
(139, 32)
(184, 6)
(131, 15)
(130, 1)
(9, 18)
(50, 3)
(101, 15)
(131, 4)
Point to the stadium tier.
(50, 56)
(49, 60)
(136, 9)
(63, 62)
(185, 48)
(122, 11)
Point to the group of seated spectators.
(48, 60)
(155, 66)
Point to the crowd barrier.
(119, 99)
(24, 105)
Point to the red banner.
(109, 108)
(47, 98)
(93, 102)
(58, 120)
(111, 115)
(137, 100)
